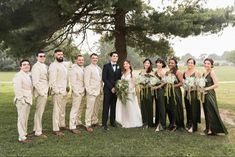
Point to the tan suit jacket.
(23, 87)
(40, 79)
(58, 78)
(93, 79)
(77, 79)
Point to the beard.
(60, 59)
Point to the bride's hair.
(124, 70)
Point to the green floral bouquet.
(122, 88)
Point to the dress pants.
(23, 110)
(92, 109)
(75, 111)
(58, 118)
(40, 107)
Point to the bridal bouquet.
(142, 80)
(170, 80)
(189, 83)
(201, 83)
(154, 81)
(122, 88)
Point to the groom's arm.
(105, 77)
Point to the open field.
(118, 142)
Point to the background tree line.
(30, 25)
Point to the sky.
(196, 45)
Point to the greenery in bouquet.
(201, 83)
(122, 88)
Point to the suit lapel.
(111, 67)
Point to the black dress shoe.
(105, 128)
(114, 125)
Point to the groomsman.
(58, 81)
(93, 85)
(111, 73)
(23, 90)
(40, 82)
(77, 83)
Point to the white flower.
(154, 81)
(201, 82)
(189, 82)
(118, 67)
(141, 79)
(169, 79)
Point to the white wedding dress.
(129, 114)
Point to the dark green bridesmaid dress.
(212, 116)
(146, 103)
(193, 109)
(160, 115)
(175, 106)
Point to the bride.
(129, 115)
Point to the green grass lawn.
(116, 142)
(226, 96)
(6, 76)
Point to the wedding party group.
(131, 101)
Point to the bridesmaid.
(175, 106)
(192, 104)
(214, 123)
(160, 117)
(146, 98)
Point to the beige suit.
(77, 84)
(23, 90)
(40, 82)
(93, 85)
(58, 82)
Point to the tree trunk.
(120, 35)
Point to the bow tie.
(114, 65)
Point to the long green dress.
(146, 103)
(193, 109)
(160, 116)
(175, 106)
(212, 116)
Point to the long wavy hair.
(176, 65)
(124, 70)
(150, 69)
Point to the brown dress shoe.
(95, 125)
(64, 128)
(31, 134)
(58, 133)
(25, 141)
(41, 136)
(89, 129)
(75, 131)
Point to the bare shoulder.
(213, 74)
(178, 72)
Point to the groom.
(111, 73)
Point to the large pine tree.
(29, 25)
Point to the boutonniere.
(118, 67)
